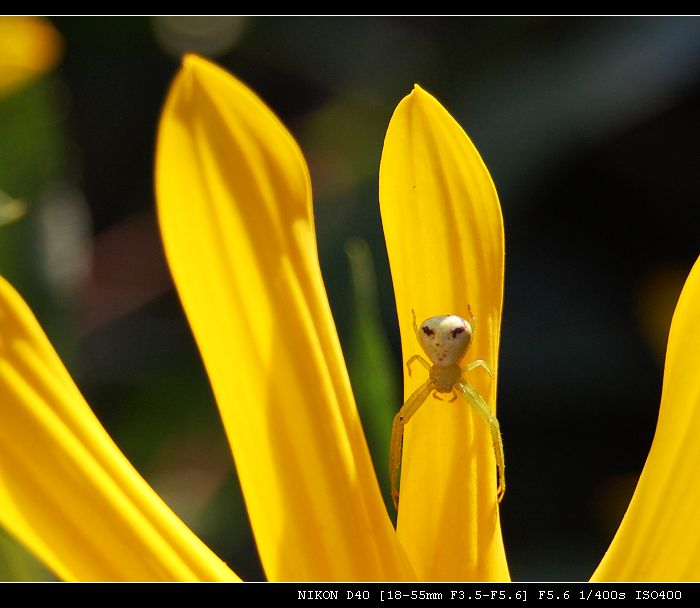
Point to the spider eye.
(427, 331)
(457, 331)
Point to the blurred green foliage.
(370, 363)
(32, 154)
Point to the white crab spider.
(445, 339)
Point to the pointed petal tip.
(415, 93)
(418, 97)
(195, 66)
(426, 99)
(198, 71)
(201, 70)
(192, 61)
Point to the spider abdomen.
(445, 378)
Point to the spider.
(445, 339)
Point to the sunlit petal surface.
(234, 205)
(659, 538)
(444, 235)
(66, 491)
(28, 47)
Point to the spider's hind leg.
(400, 420)
(477, 402)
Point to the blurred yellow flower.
(11, 209)
(234, 204)
(29, 46)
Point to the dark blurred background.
(589, 127)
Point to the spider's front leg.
(478, 363)
(420, 360)
(480, 405)
(400, 420)
(415, 325)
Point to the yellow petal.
(444, 235)
(659, 538)
(66, 491)
(29, 46)
(234, 205)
